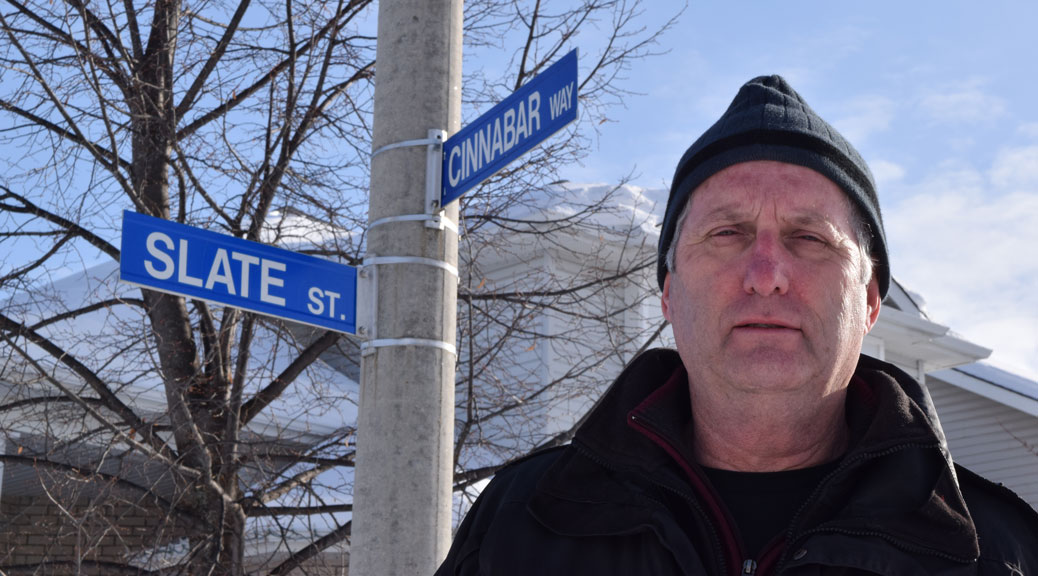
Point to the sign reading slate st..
(187, 261)
(527, 117)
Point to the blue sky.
(939, 97)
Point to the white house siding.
(605, 345)
(516, 372)
(989, 438)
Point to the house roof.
(994, 383)
(951, 357)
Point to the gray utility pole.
(405, 436)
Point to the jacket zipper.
(718, 545)
(749, 567)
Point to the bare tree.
(148, 433)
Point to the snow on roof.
(293, 230)
(624, 207)
(639, 206)
(1001, 378)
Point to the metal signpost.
(526, 118)
(196, 263)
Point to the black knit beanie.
(768, 120)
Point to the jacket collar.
(896, 482)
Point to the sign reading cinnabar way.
(526, 118)
(196, 263)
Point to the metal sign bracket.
(434, 177)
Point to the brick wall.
(37, 529)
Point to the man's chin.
(770, 369)
(785, 353)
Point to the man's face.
(767, 293)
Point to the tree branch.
(38, 262)
(33, 461)
(207, 69)
(99, 154)
(28, 207)
(109, 159)
(74, 566)
(243, 95)
(296, 559)
(525, 297)
(111, 401)
(264, 397)
(260, 511)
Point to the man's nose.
(767, 268)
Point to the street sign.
(529, 115)
(196, 263)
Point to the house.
(989, 415)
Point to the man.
(765, 444)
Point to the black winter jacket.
(627, 498)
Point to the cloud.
(1030, 129)
(825, 48)
(886, 172)
(865, 116)
(1016, 169)
(967, 103)
(1015, 337)
(965, 239)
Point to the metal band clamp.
(378, 260)
(369, 346)
(431, 140)
(437, 220)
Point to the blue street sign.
(540, 108)
(186, 261)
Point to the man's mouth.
(768, 326)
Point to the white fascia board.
(912, 322)
(915, 337)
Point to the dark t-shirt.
(762, 504)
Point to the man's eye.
(810, 238)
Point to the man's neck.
(768, 433)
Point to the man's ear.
(665, 297)
(873, 303)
